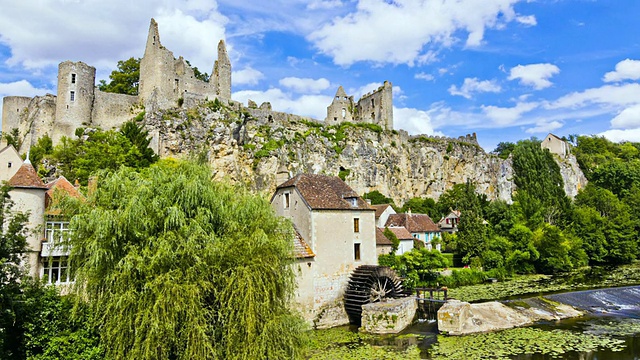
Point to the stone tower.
(221, 73)
(377, 107)
(341, 108)
(157, 83)
(74, 103)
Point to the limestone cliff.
(249, 145)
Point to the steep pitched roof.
(27, 178)
(300, 248)
(401, 232)
(381, 239)
(413, 222)
(60, 184)
(322, 192)
(380, 209)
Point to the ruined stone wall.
(341, 109)
(33, 121)
(165, 79)
(221, 73)
(377, 107)
(74, 103)
(112, 110)
(12, 106)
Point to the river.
(612, 313)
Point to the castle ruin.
(375, 108)
(163, 81)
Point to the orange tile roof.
(322, 192)
(300, 248)
(401, 232)
(60, 184)
(27, 178)
(380, 209)
(413, 222)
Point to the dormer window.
(353, 201)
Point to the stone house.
(556, 145)
(382, 213)
(10, 162)
(338, 228)
(450, 222)
(405, 237)
(420, 226)
(46, 228)
(384, 246)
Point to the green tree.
(125, 79)
(13, 246)
(537, 173)
(472, 232)
(13, 138)
(180, 267)
(377, 198)
(394, 240)
(421, 206)
(140, 154)
(504, 149)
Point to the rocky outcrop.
(461, 318)
(249, 145)
(388, 317)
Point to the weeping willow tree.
(180, 267)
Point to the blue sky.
(504, 69)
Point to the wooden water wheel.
(369, 284)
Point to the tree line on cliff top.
(542, 231)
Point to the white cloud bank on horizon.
(415, 25)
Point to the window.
(56, 231)
(55, 270)
(344, 113)
(356, 252)
(72, 96)
(356, 225)
(9, 165)
(373, 103)
(73, 78)
(286, 200)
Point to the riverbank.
(612, 337)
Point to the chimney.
(282, 175)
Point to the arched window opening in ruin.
(344, 113)
(373, 103)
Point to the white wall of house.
(405, 246)
(382, 220)
(31, 201)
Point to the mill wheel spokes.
(380, 289)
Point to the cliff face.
(250, 145)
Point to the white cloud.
(473, 85)
(305, 85)
(535, 75)
(415, 24)
(424, 76)
(625, 70)
(103, 32)
(622, 135)
(324, 4)
(21, 88)
(627, 118)
(247, 76)
(615, 95)
(314, 106)
(414, 121)
(545, 127)
(529, 20)
(506, 116)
